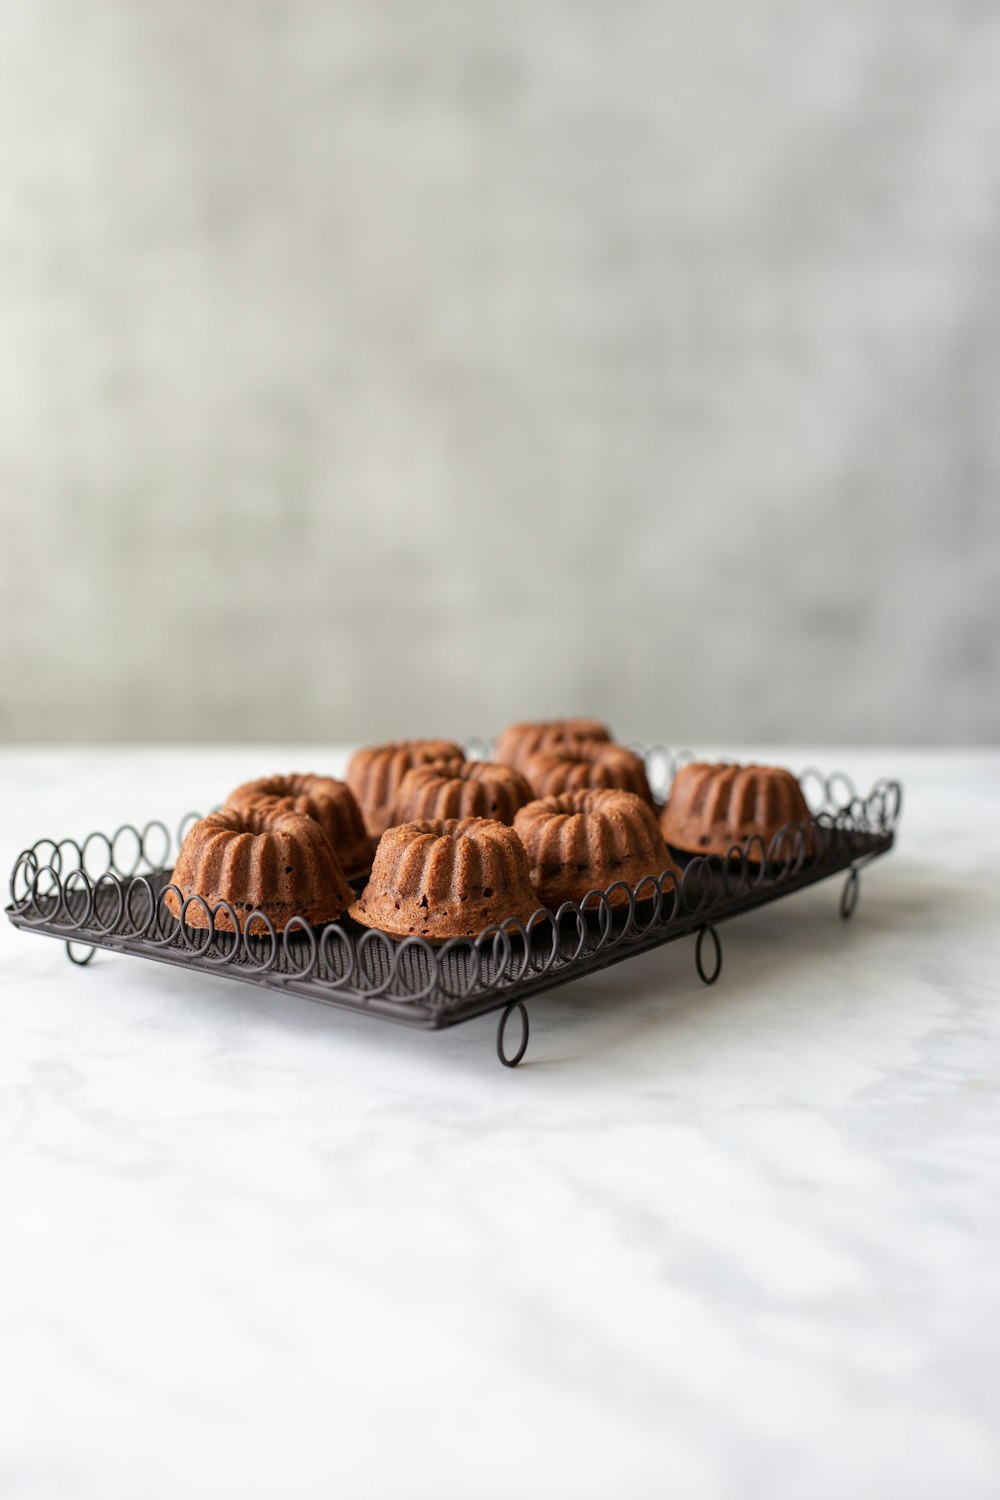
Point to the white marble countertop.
(732, 1242)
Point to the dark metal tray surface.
(108, 892)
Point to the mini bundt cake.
(445, 879)
(587, 765)
(584, 841)
(460, 789)
(330, 802)
(518, 741)
(374, 774)
(280, 863)
(713, 807)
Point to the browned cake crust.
(460, 789)
(374, 774)
(587, 765)
(448, 878)
(518, 741)
(713, 807)
(280, 863)
(330, 802)
(584, 841)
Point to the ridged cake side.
(375, 771)
(330, 802)
(447, 878)
(518, 741)
(460, 789)
(587, 766)
(279, 863)
(586, 840)
(711, 807)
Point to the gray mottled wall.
(377, 366)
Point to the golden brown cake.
(280, 863)
(584, 841)
(445, 879)
(518, 741)
(587, 765)
(374, 774)
(330, 802)
(713, 807)
(460, 789)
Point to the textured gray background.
(372, 367)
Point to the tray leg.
(505, 1015)
(705, 976)
(849, 895)
(80, 962)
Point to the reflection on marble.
(739, 1242)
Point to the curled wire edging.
(70, 844)
(249, 936)
(595, 904)
(455, 958)
(88, 911)
(830, 798)
(370, 942)
(53, 896)
(480, 963)
(888, 795)
(261, 967)
(70, 860)
(755, 858)
(392, 957)
(28, 866)
(414, 970)
(734, 891)
(425, 956)
(624, 909)
(653, 897)
(330, 931)
(500, 951)
(396, 955)
(461, 961)
(176, 912)
(115, 862)
(689, 897)
(787, 851)
(140, 883)
(161, 863)
(222, 936)
(109, 862)
(600, 908)
(299, 924)
(706, 897)
(463, 964)
(106, 929)
(52, 863)
(816, 800)
(675, 896)
(189, 931)
(21, 865)
(569, 910)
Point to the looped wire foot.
(705, 976)
(513, 1060)
(849, 895)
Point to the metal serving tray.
(107, 892)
